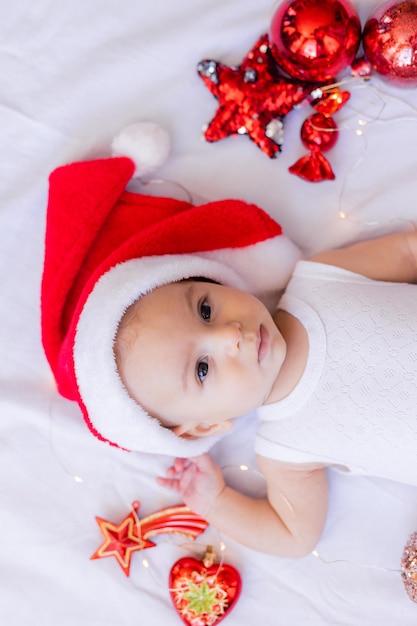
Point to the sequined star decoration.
(253, 98)
(132, 534)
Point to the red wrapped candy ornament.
(203, 591)
(318, 134)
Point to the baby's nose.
(229, 337)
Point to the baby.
(164, 321)
(196, 355)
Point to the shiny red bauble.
(313, 40)
(390, 41)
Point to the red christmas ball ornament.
(313, 40)
(390, 42)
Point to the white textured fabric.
(356, 403)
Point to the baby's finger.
(204, 462)
(171, 472)
(180, 464)
(169, 483)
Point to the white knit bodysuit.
(355, 406)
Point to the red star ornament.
(121, 540)
(132, 534)
(253, 98)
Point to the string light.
(136, 184)
(198, 549)
(356, 564)
(362, 123)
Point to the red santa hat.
(105, 247)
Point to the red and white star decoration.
(132, 534)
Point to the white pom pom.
(146, 143)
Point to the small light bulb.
(358, 132)
(222, 546)
(342, 215)
(244, 468)
(145, 563)
(362, 122)
(78, 479)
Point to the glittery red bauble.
(390, 41)
(409, 567)
(313, 40)
(203, 592)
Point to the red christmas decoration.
(390, 41)
(314, 39)
(132, 534)
(409, 567)
(361, 68)
(331, 101)
(203, 591)
(318, 134)
(253, 98)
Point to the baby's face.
(202, 353)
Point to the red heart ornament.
(202, 591)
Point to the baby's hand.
(199, 481)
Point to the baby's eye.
(202, 370)
(205, 310)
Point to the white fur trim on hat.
(263, 269)
(113, 413)
(266, 266)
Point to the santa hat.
(105, 247)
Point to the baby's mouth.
(263, 343)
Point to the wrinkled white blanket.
(72, 75)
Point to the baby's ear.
(191, 430)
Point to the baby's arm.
(392, 258)
(288, 523)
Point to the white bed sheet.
(72, 75)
